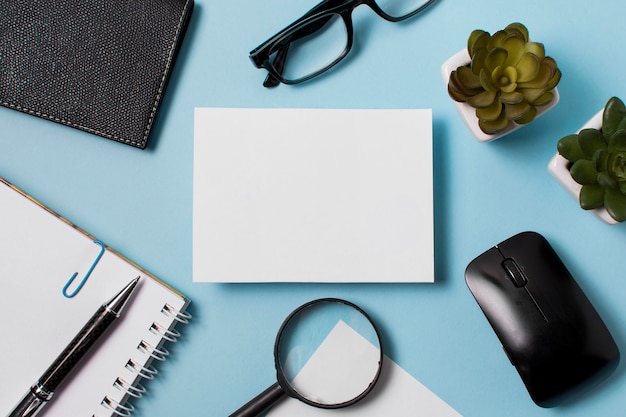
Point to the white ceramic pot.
(559, 169)
(468, 113)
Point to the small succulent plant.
(598, 161)
(508, 78)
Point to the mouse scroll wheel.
(514, 272)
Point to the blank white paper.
(396, 394)
(340, 369)
(313, 195)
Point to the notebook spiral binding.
(145, 371)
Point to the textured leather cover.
(96, 65)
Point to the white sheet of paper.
(313, 195)
(396, 394)
(341, 368)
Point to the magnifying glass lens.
(328, 354)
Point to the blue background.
(140, 202)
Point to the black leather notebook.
(98, 66)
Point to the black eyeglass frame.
(279, 43)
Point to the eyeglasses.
(321, 38)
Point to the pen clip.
(73, 277)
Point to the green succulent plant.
(598, 161)
(508, 78)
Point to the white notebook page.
(38, 254)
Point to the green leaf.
(515, 46)
(478, 60)
(457, 89)
(532, 94)
(590, 141)
(615, 204)
(622, 125)
(528, 117)
(467, 78)
(556, 73)
(584, 172)
(455, 84)
(514, 97)
(616, 165)
(591, 197)
(606, 181)
(496, 40)
(536, 48)
(600, 159)
(486, 82)
(504, 78)
(542, 78)
(516, 111)
(614, 113)
(495, 58)
(617, 142)
(491, 127)
(483, 99)
(519, 28)
(455, 94)
(478, 39)
(528, 68)
(544, 99)
(491, 112)
(569, 148)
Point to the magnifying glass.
(327, 354)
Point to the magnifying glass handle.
(261, 402)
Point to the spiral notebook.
(39, 252)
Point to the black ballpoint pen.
(41, 392)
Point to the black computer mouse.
(547, 326)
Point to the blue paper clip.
(73, 277)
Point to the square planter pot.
(468, 113)
(559, 168)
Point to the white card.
(396, 394)
(313, 195)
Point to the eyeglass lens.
(399, 8)
(326, 41)
(317, 51)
